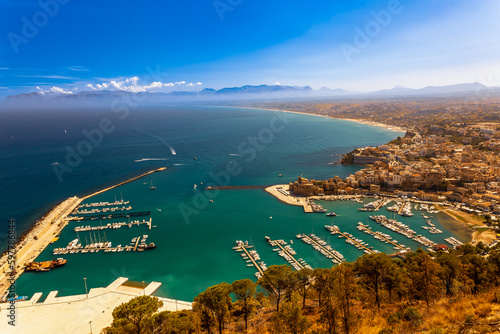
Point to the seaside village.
(463, 173)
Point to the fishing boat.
(151, 186)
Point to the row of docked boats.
(287, 252)
(453, 241)
(383, 237)
(103, 210)
(350, 239)
(109, 226)
(251, 257)
(96, 204)
(402, 229)
(375, 205)
(322, 246)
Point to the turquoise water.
(195, 252)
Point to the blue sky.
(194, 44)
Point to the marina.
(287, 252)
(382, 237)
(96, 210)
(98, 204)
(113, 225)
(453, 241)
(111, 216)
(402, 229)
(252, 256)
(358, 243)
(321, 246)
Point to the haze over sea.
(192, 253)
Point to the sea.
(50, 155)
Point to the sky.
(69, 46)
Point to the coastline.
(40, 235)
(469, 222)
(450, 221)
(360, 121)
(367, 122)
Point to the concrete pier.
(73, 314)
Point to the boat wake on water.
(235, 155)
(150, 159)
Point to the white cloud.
(78, 69)
(132, 85)
(54, 89)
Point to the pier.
(253, 256)
(234, 187)
(36, 315)
(350, 240)
(106, 209)
(320, 246)
(402, 207)
(380, 236)
(124, 182)
(110, 216)
(112, 225)
(288, 254)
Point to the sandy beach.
(389, 127)
(36, 240)
(361, 121)
(474, 224)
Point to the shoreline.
(452, 223)
(355, 120)
(40, 235)
(367, 122)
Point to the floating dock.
(288, 253)
(252, 255)
(351, 240)
(111, 216)
(112, 226)
(321, 246)
(380, 236)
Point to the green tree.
(179, 322)
(451, 269)
(135, 316)
(292, 318)
(373, 268)
(477, 270)
(275, 281)
(424, 275)
(244, 291)
(320, 281)
(394, 280)
(217, 300)
(345, 289)
(329, 310)
(303, 277)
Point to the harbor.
(47, 231)
(287, 252)
(97, 244)
(113, 225)
(350, 239)
(251, 256)
(321, 246)
(382, 237)
(110, 216)
(402, 229)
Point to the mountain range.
(247, 92)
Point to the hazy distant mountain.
(435, 90)
(247, 92)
